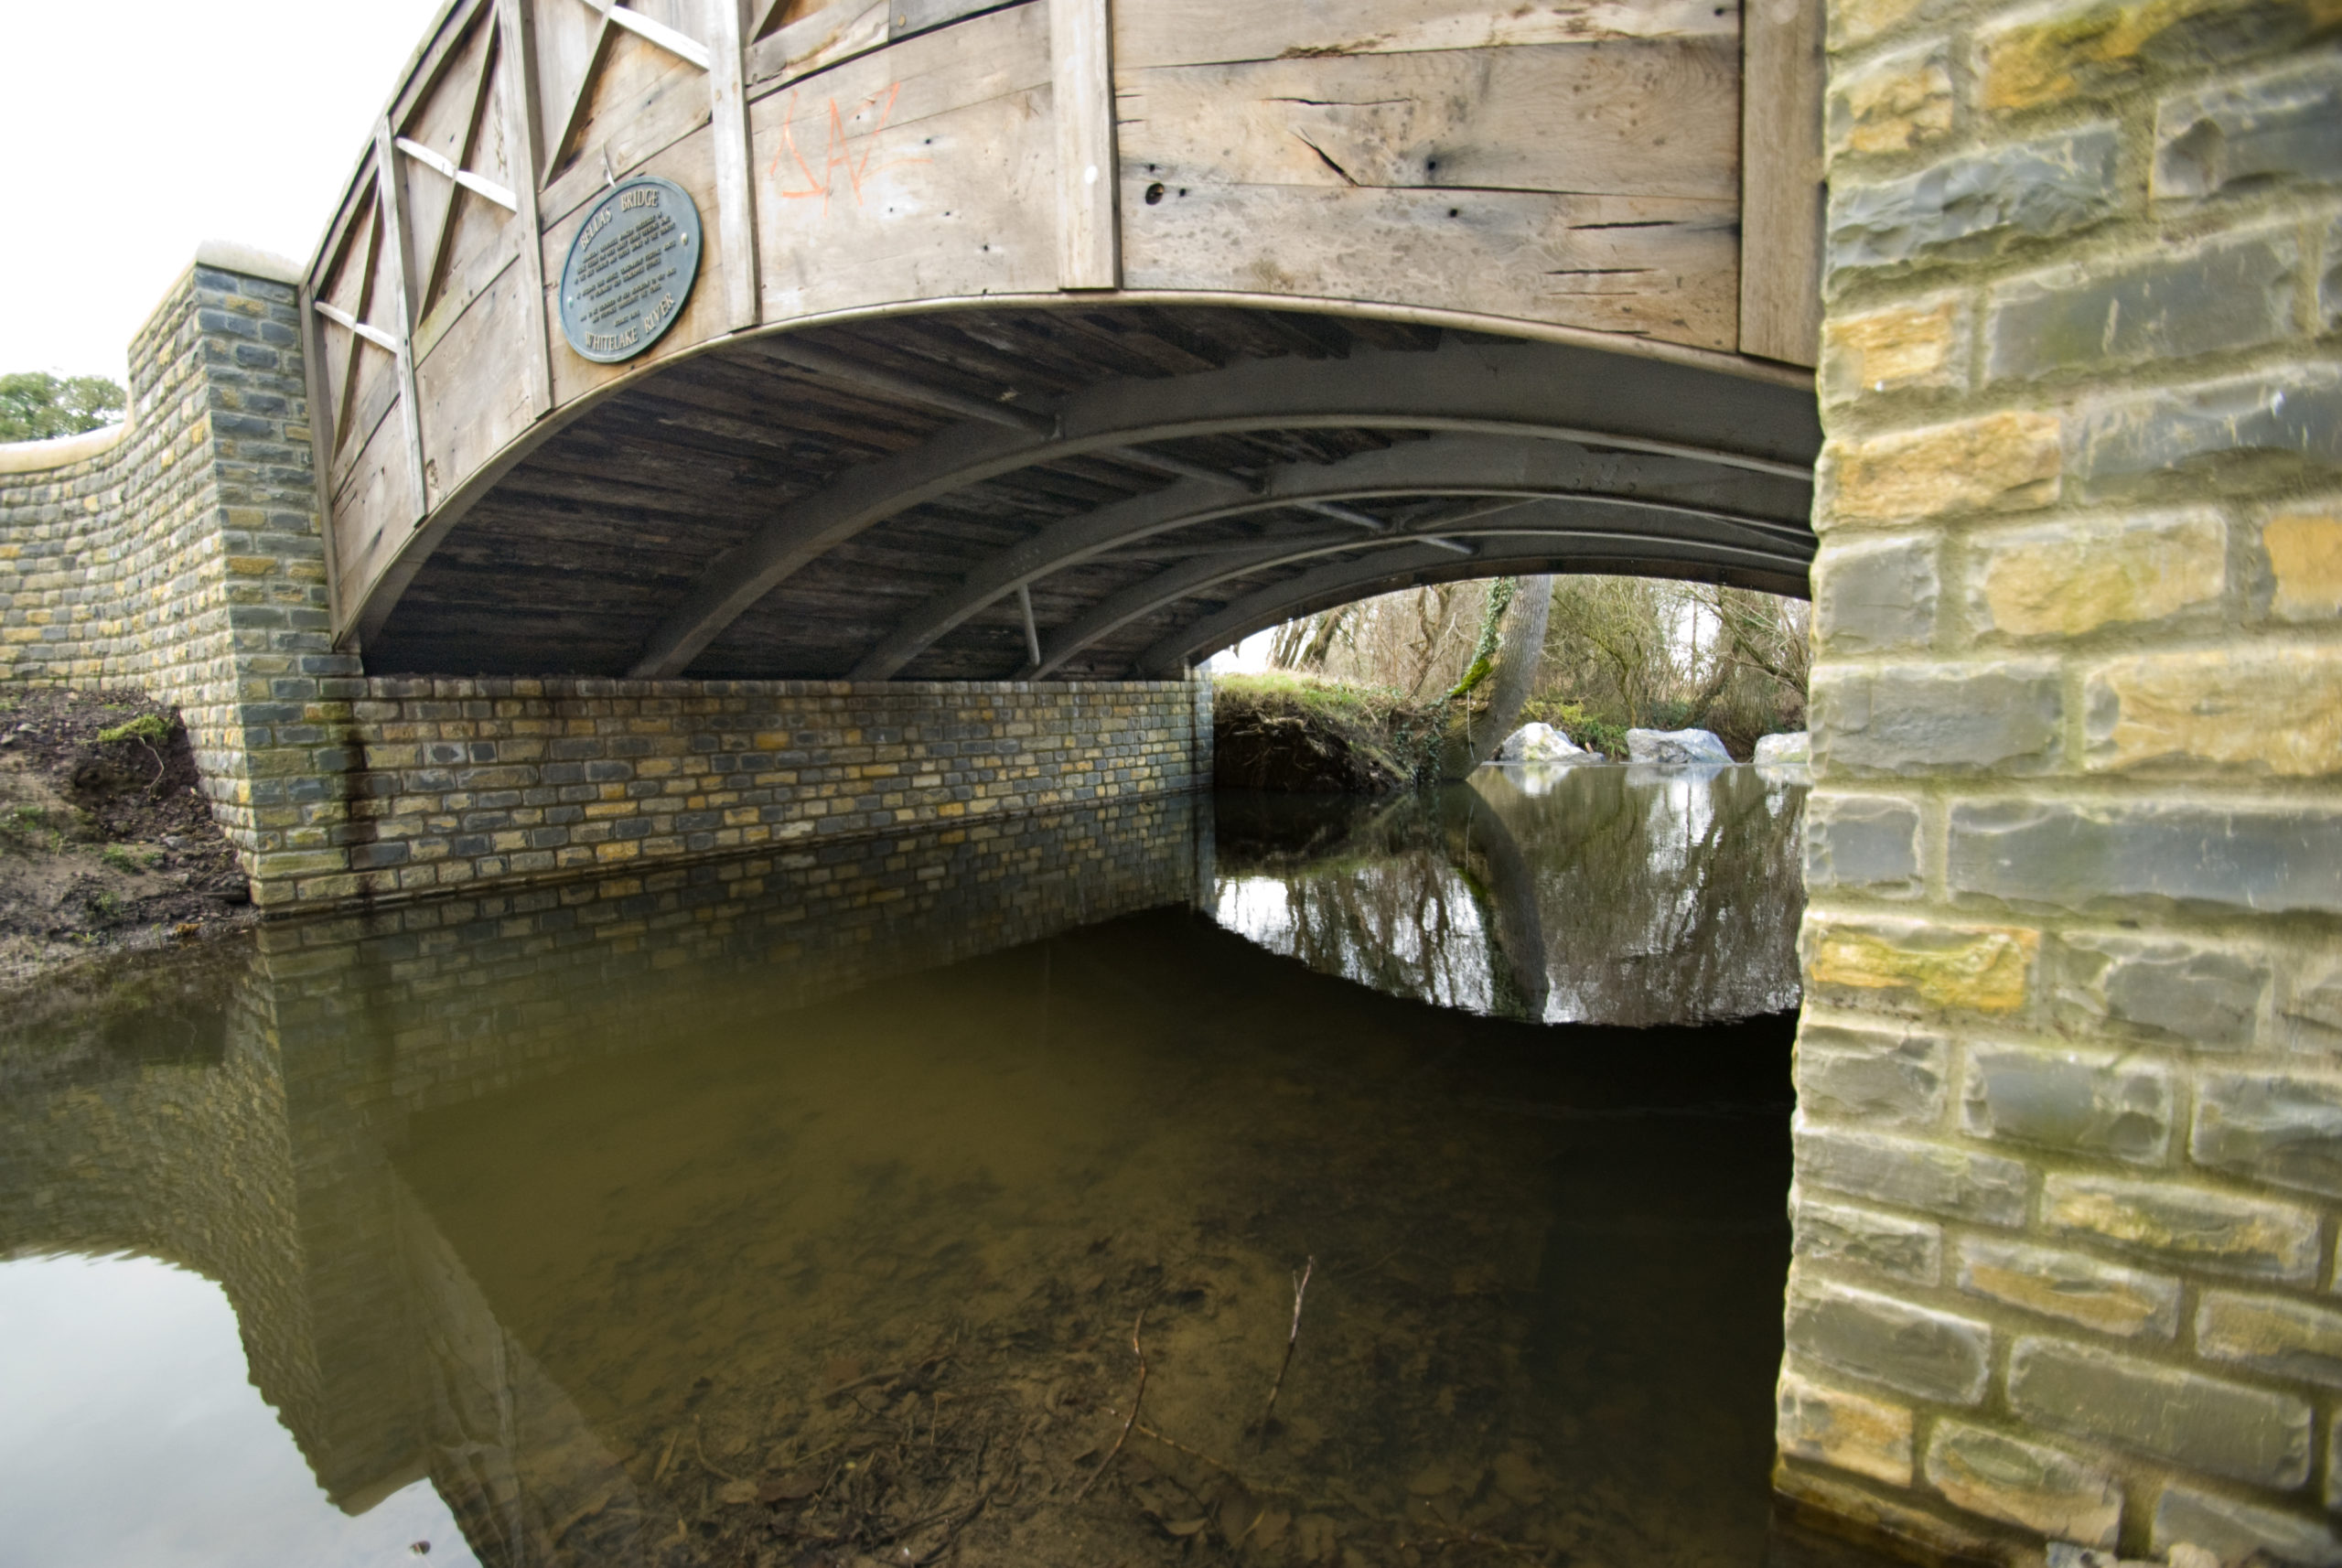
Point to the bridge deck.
(1370, 294)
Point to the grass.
(1395, 735)
(152, 728)
(131, 861)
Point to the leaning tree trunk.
(1473, 737)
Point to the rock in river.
(1774, 749)
(1539, 742)
(1679, 746)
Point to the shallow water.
(823, 1211)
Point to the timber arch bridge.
(1057, 340)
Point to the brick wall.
(457, 782)
(188, 559)
(2069, 1138)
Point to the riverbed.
(1192, 1180)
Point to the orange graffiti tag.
(838, 153)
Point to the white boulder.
(1775, 749)
(1676, 747)
(1539, 742)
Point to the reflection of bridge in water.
(258, 1140)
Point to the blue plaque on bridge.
(629, 269)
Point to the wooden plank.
(321, 421)
(1781, 198)
(1204, 32)
(373, 513)
(682, 46)
(463, 176)
(867, 209)
(735, 189)
(469, 406)
(524, 150)
(829, 37)
(641, 102)
(1661, 267)
(1082, 106)
(374, 335)
(480, 270)
(1637, 117)
(402, 286)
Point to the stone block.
(1855, 22)
(2284, 1339)
(2282, 127)
(2071, 855)
(2239, 1533)
(1977, 204)
(2029, 1484)
(2159, 988)
(2251, 431)
(2064, 579)
(2305, 551)
(2088, 48)
(2227, 293)
(2215, 1231)
(2283, 1129)
(1998, 462)
(1933, 720)
(1928, 1354)
(1885, 1243)
(2069, 1285)
(1919, 966)
(1875, 1077)
(2308, 1013)
(1938, 1178)
(2074, 1101)
(1876, 596)
(2206, 1425)
(1868, 844)
(2270, 709)
(1833, 1427)
(1892, 103)
(1920, 346)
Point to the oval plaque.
(629, 269)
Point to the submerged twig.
(698, 1449)
(1128, 1421)
(1300, 1289)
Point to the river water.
(1260, 1181)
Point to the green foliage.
(1583, 728)
(24, 827)
(35, 405)
(123, 858)
(152, 728)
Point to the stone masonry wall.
(188, 560)
(2069, 1140)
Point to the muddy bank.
(1295, 735)
(106, 842)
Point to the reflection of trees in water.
(1649, 896)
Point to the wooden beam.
(1683, 493)
(1510, 550)
(342, 318)
(1082, 93)
(386, 180)
(678, 44)
(735, 183)
(323, 422)
(524, 150)
(1782, 75)
(463, 176)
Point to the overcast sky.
(135, 131)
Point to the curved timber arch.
(940, 388)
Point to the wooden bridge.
(1057, 338)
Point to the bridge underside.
(880, 499)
